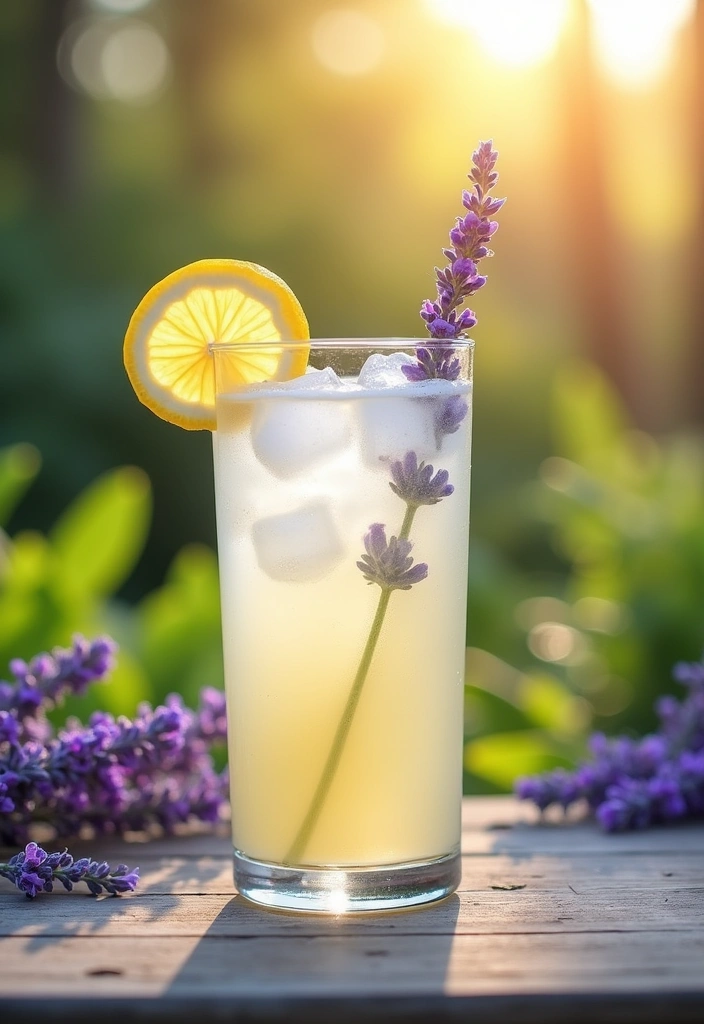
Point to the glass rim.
(462, 344)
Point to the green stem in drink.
(304, 833)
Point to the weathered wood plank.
(353, 965)
(213, 875)
(561, 910)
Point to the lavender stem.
(327, 777)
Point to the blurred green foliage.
(65, 582)
(619, 518)
(618, 515)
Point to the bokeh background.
(329, 141)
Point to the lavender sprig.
(469, 239)
(637, 783)
(389, 565)
(415, 484)
(34, 871)
(46, 680)
(455, 283)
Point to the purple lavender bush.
(637, 783)
(112, 775)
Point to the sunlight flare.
(513, 32)
(634, 39)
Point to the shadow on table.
(251, 953)
(163, 881)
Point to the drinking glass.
(342, 501)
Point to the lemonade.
(302, 470)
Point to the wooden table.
(606, 928)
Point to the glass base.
(347, 890)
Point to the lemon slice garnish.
(167, 346)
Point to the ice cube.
(299, 546)
(291, 430)
(392, 426)
(380, 371)
(313, 380)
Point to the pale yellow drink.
(300, 476)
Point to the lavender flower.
(34, 871)
(7, 804)
(389, 563)
(637, 783)
(446, 325)
(638, 803)
(556, 788)
(113, 774)
(436, 361)
(469, 239)
(415, 484)
(210, 723)
(449, 416)
(690, 674)
(47, 679)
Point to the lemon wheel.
(167, 346)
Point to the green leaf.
(551, 706)
(485, 712)
(19, 466)
(181, 644)
(99, 538)
(500, 759)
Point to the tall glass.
(344, 648)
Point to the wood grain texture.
(607, 927)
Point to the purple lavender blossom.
(449, 416)
(210, 722)
(556, 788)
(436, 361)
(389, 563)
(113, 774)
(34, 871)
(7, 804)
(469, 239)
(415, 484)
(47, 679)
(9, 728)
(639, 803)
(444, 324)
(638, 783)
(432, 362)
(689, 674)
